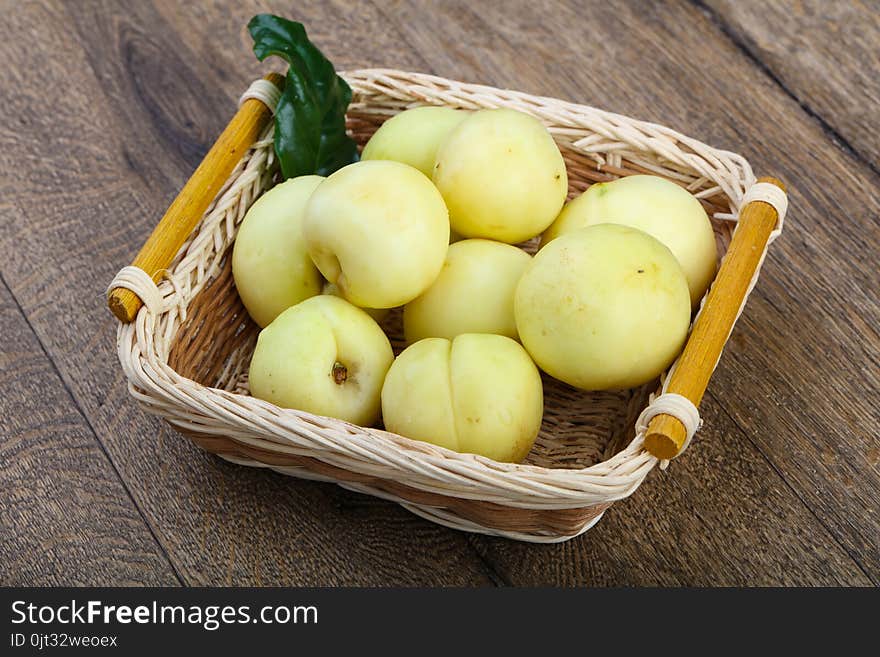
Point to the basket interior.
(214, 345)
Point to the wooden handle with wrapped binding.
(666, 434)
(187, 209)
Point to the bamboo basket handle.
(666, 434)
(187, 209)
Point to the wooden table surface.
(106, 109)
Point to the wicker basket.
(186, 352)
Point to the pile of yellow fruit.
(604, 304)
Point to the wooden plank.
(718, 516)
(826, 54)
(65, 517)
(130, 109)
(801, 369)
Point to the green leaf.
(310, 118)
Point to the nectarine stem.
(340, 373)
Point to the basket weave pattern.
(186, 355)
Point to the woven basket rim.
(375, 73)
(597, 473)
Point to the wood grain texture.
(127, 116)
(825, 54)
(718, 516)
(781, 487)
(65, 517)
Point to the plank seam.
(94, 433)
(793, 489)
(494, 575)
(741, 44)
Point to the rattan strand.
(192, 371)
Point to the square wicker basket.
(185, 340)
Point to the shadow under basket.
(187, 351)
